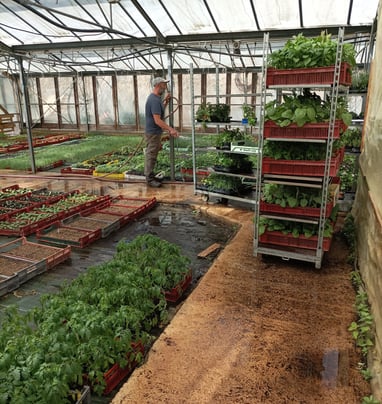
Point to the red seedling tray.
(288, 240)
(176, 293)
(133, 202)
(298, 211)
(10, 187)
(79, 221)
(68, 235)
(27, 229)
(115, 375)
(308, 131)
(311, 168)
(308, 76)
(129, 208)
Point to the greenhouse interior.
(250, 272)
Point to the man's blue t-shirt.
(153, 106)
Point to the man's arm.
(162, 124)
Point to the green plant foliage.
(208, 112)
(300, 52)
(360, 80)
(305, 108)
(295, 150)
(348, 173)
(250, 114)
(95, 145)
(76, 335)
(352, 137)
(294, 228)
(292, 196)
(370, 400)
(362, 329)
(222, 183)
(224, 138)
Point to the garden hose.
(138, 147)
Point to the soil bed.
(9, 266)
(32, 252)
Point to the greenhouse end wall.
(367, 210)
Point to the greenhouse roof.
(87, 36)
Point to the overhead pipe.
(28, 116)
(171, 115)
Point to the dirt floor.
(254, 330)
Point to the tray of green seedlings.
(13, 191)
(81, 221)
(27, 250)
(59, 234)
(25, 223)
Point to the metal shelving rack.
(285, 252)
(254, 151)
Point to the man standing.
(155, 125)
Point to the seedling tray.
(308, 131)
(115, 375)
(129, 209)
(88, 223)
(24, 249)
(63, 235)
(24, 269)
(311, 168)
(8, 284)
(308, 77)
(22, 228)
(134, 202)
(176, 293)
(298, 211)
(288, 240)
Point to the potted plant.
(249, 115)
(224, 139)
(213, 113)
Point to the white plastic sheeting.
(131, 35)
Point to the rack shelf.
(310, 244)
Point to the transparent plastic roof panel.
(137, 35)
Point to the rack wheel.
(205, 198)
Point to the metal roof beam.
(176, 39)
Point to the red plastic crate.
(129, 209)
(115, 375)
(298, 211)
(176, 293)
(310, 168)
(83, 237)
(29, 228)
(51, 256)
(288, 240)
(308, 76)
(308, 131)
(80, 221)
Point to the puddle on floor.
(330, 367)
